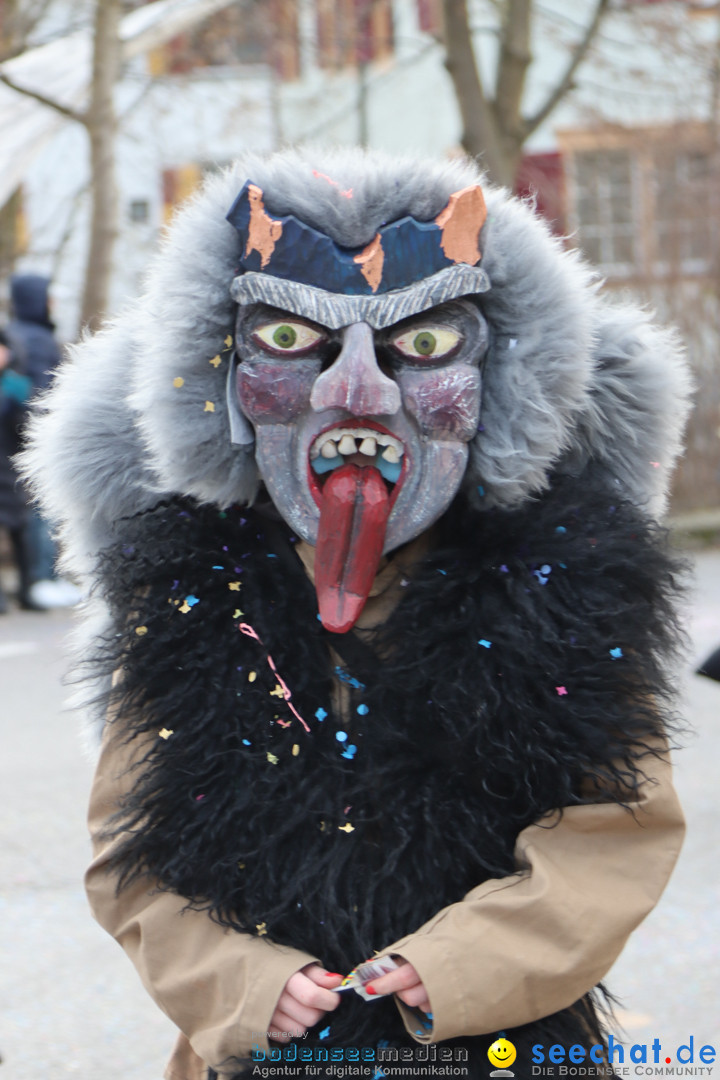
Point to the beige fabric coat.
(513, 950)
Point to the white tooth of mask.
(391, 455)
(347, 445)
(368, 447)
(329, 449)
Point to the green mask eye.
(426, 342)
(286, 337)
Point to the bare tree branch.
(70, 114)
(480, 134)
(566, 80)
(515, 58)
(102, 129)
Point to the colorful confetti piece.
(349, 752)
(346, 677)
(252, 676)
(209, 406)
(324, 1033)
(216, 361)
(347, 827)
(561, 691)
(616, 653)
(141, 630)
(278, 691)
(178, 382)
(261, 928)
(320, 714)
(295, 750)
(363, 710)
(234, 586)
(485, 643)
(228, 340)
(272, 758)
(165, 733)
(341, 736)
(246, 629)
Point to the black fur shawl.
(529, 654)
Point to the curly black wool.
(527, 660)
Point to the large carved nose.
(355, 382)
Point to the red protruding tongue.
(353, 518)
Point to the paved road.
(71, 1005)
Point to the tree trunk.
(101, 123)
(481, 136)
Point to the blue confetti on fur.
(616, 653)
(324, 1033)
(363, 710)
(349, 752)
(320, 714)
(485, 643)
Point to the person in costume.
(366, 488)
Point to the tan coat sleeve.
(219, 987)
(522, 947)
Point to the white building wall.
(650, 64)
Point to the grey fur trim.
(569, 382)
(332, 310)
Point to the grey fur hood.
(572, 382)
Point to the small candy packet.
(363, 974)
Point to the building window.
(238, 34)
(647, 206)
(685, 209)
(430, 17)
(605, 209)
(352, 32)
(139, 211)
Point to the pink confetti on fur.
(323, 176)
(246, 629)
(561, 690)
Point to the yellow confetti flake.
(295, 750)
(272, 758)
(347, 827)
(277, 692)
(238, 614)
(184, 607)
(216, 361)
(209, 406)
(261, 928)
(166, 733)
(241, 866)
(140, 630)
(252, 676)
(234, 586)
(178, 382)
(229, 340)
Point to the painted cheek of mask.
(445, 402)
(275, 392)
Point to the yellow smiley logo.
(502, 1053)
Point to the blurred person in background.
(31, 335)
(15, 389)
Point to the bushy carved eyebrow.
(335, 310)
